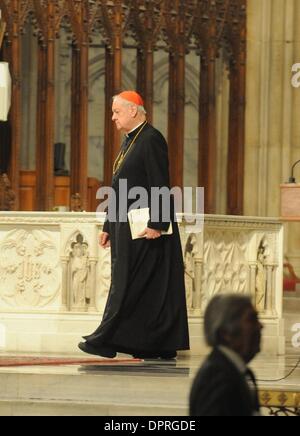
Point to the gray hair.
(223, 315)
(140, 109)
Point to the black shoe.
(155, 356)
(168, 356)
(146, 356)
(103, 352)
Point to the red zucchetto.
(133, 97)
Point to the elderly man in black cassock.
(145, 314)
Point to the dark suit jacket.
(220, 389)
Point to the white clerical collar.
(234, 358)
(127, 134)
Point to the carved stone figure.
(79, 273)
(189, 264)
(261, 279)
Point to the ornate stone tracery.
(232, 260)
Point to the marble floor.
(147, 388)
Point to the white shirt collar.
(234, 358)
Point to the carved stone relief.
(225, 263)
(66, 269)
(29, 269)
(103, 278)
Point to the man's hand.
(150, 234)
(104, 240)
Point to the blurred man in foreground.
(225, 386)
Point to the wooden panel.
(93, 186)
(176, 123)
(113, 87)
(61, 192)
(145, 78)
(290, 202)
(146, 20)
(206, 37)
(13, 56)
(207, 132)
(114, 22)
(28, 191)
(236, 143)
(202, 26)
(177, 27)
(79, 123)
(45, 128)
(237, 108)
(79, 118)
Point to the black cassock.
(146, 308)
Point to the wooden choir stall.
(209, 29)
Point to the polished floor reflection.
(130, 388)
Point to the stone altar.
(55, 278)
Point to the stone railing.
(52, 267)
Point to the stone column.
(268, 115)
(257, 92)
(292, 231)
(269, 297)
(253, 268)
(198, 285)
(65, 304)
(274, 308)
(92, 304)
(222, 117)
(273, 108)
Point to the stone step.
(90, 391)
(145, 390)
(72, 408)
